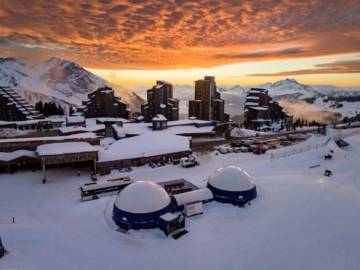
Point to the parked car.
(189, 161)
(160, 163)
(258, 149)
(285, 143)
(176, 161)
(236, 144)
(246, 142)
(244, 149)
(224, 149)
(241, 149)
(152, 164)
(126, 169)
(236, 149)
(272, 146)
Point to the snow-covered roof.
(186, 126)
(252, 97)
(31, 122)
(231, 178)
(95, 128)
(261, 120)
(146, 145)
(8, 156)
(159, 117)
(251, 103)
(64, 148)
(86, 135)
(142, 197)
(254, 91)
(169, 216)
(260, 108)
(111, 119)
(75, 119)
(107, 91)
(106, 183)
(197, 195)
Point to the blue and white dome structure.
(140, 204)
(232, 185)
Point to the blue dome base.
(126, 220)
(234, 197)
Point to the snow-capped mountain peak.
(290, 88)
(56, 79)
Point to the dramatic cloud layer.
(352, 66)
(177, 33)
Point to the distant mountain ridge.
(55, 79)
(286, 88)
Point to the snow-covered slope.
(333, 91)
(55, 79)
(290, 88)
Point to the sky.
(135, 43)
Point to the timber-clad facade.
(104, 103)
(69, 158)
(13, 107)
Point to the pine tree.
(39, 107)
(60, 110)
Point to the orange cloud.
(177, 33)
(352, 66)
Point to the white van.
(189, 161)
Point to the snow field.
(300, 220)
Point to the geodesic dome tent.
(140, 204)
(232, 185)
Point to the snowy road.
(301, 219)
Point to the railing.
(298, 150)
(343, 135)
(301, 149)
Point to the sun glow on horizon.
(238, 74)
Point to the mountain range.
(67, 84)
(58, 80)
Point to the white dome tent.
(139, 205)
(232, 185)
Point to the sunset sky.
(133, 43)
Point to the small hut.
(159, 122)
